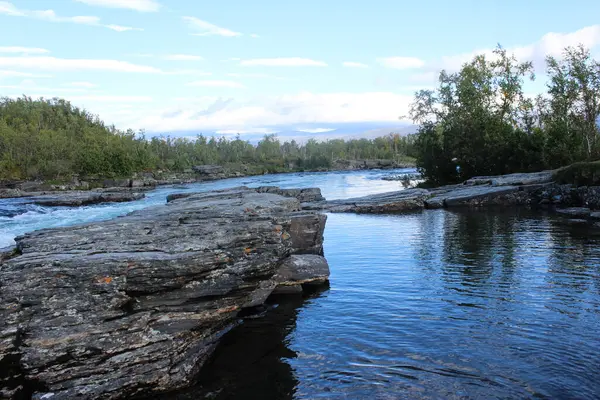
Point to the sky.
(311, 67)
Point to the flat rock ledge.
(135, 305)
(530, 189)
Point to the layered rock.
(135, 305)
(534, 189)
(77, 199)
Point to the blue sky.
(182, 66)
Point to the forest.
(53, 139)
(480, 121)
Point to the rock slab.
(135, 305)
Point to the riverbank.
(141, 182)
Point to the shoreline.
(142, 182)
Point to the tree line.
(52, 139)
(479, 120)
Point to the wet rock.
(303, 269)
(403, 200)
(78, 199)
(135, 305)
(575, 212)
(595, 215)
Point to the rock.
(134, 306)
(77, 199)
(518, 179)
(303, 269)
(472, 195)
(208, 169)
(304, 195)
(595, 215)
(403, 200)
(575, 212)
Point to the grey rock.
(304, 195)
(303, 269)
(135, 305)
(399, 201)
(77, 199)
(595, 215)
(513, 179)
(575, 212)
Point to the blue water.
(435, 304)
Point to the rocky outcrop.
(135, 305)
(78, 199)
(535, 190)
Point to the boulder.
(134, 306)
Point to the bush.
(579, 174)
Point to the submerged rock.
(77, 199)
(135, 305)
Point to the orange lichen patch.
(60, 276)
(104, 279)
(248, 250)
(285, 236)
(227, 309)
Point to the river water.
(436, 304)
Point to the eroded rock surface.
(135, 305)
(77, 199)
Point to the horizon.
(180, 69)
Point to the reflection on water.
(251, 361)
(430, 305)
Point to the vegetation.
(579, 174)
(52, 139)
(480, 122)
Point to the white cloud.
(228, 114)
(196, 72)
(551, 44)
(204, 28)
(401, 62)
(66, 64)
(9, 9)
(283, 62)
(137, 5)
(218, 83)
(254, 75)
(87, 85)
(351, 64)
(20, 74)
(263, 131)
(317, 130)
(254, 35)
(23, 50)
(182, 57)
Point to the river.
(436, 304)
